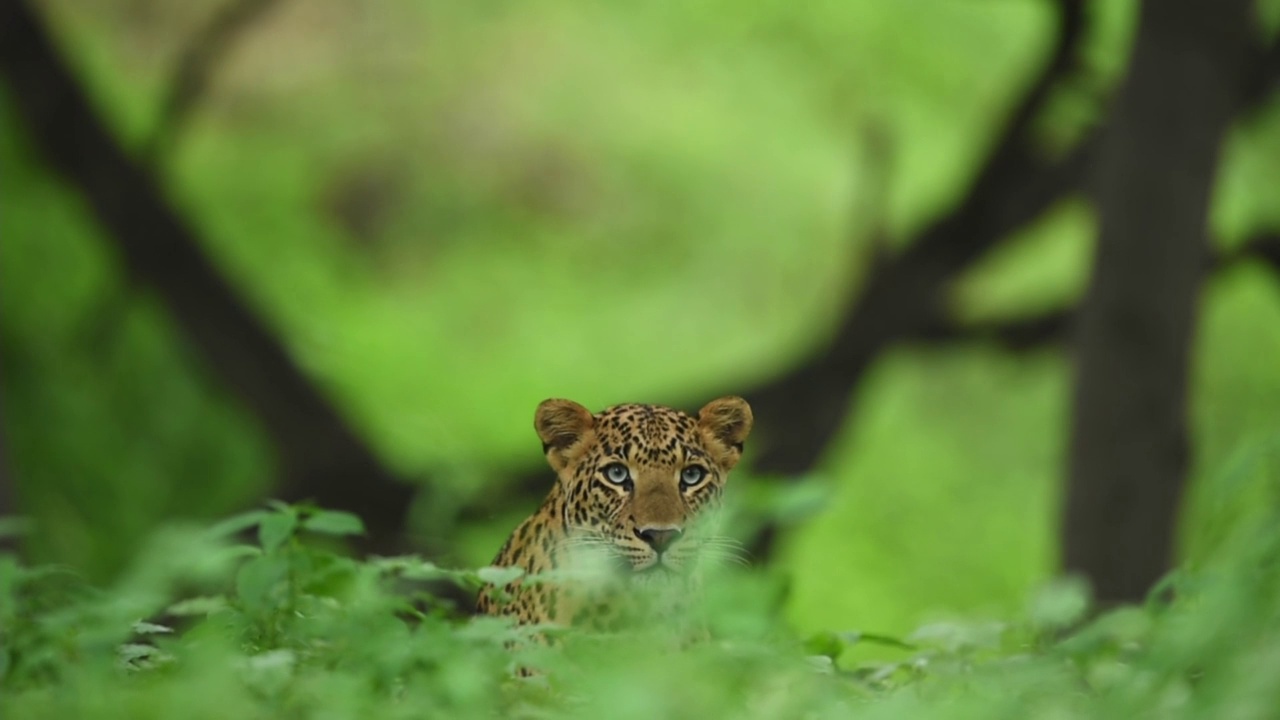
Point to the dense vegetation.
(205, 625)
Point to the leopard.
(638, 487)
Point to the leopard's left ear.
(725, 423)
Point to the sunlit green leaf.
(333, 522)
(238, 523)
(146, 628)
(258, 578)
(197, 606)
(499, 575)
(1060, 604)
(276, 528)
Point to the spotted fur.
(635, 486)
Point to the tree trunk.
(1128, 447)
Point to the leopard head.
(640, 481)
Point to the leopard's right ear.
(562, 425)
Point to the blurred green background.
(449, 211)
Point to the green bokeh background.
(449, 211)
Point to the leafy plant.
(260, 616)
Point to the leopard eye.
(692, 475)
(617, 473)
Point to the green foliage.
(107, 424)
(448, 211)
(205, 626)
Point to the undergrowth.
(262, 616)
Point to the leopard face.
(640, 481)
(636, 486)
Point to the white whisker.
(723, 548)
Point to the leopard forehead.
(647, 433)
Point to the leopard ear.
(725, 423)
(562, 425)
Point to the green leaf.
(133, 651)
(15, 526)
(236, 552)
(1060, 604)
(1123, 626)
(270, 671)
(826, 644)
(425, 571)
(334, 522)
(854, 636)
(275, 529)
(955, 637)
(258, 578)
(499, 575)
(197, 606)
(831, 644)
(146, 628)
(237, 523)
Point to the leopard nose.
(659, 538)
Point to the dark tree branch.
(1053, 327)
(1264, 249)
(803, 409)
(322, 457)
(1263, 79)
(195, 68)
(1021, 334)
